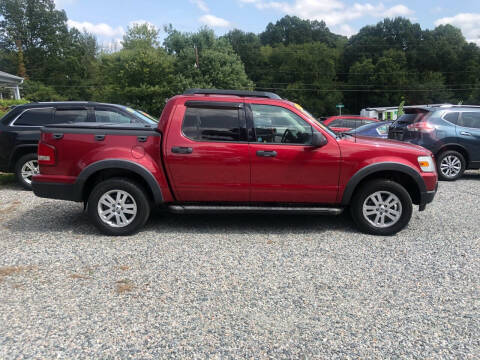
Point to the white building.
(8, 81)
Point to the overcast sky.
(108, 19)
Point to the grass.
(6, 178)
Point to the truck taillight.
(46, 154)
(422, 126)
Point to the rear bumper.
(427, 197)
(56, 191)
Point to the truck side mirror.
(318, 139)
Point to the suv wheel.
(381, 207)
(25, 168)
(450, 165)
(118, 207)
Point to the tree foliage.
(384, 64)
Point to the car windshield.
(149, 119)
(410, 118)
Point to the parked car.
(451, 132)
(374, 129)
(232, 151)
(20, 130)
(346, 122)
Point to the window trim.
(252, 140)
(12, 123)
(241, 121)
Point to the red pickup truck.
(232, 151)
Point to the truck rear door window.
(203, 124)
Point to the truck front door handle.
(182, 150)
(99, 137)
(57, 136)
(266, 153)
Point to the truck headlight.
(426, 163)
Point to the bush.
(6, 104)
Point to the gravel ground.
(240, 286)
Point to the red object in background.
(347, 122)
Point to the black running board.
(203, 209)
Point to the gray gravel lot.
(240, 286)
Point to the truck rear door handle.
(57, 136)
(182, 150)
(263, 153)
(99, 137)
(466, 133)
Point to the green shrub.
(6, 104)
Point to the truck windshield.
(311, 117)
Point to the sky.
(109, 19)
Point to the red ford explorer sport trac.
(232, 151)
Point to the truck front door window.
(276, 125)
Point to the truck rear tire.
(25, 168)
(381, 207)
(118, 207)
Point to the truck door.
(285, 167)
(206, 152)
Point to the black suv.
(20, 129)
(451, 132)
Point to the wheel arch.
(455, 147)
(19, 151)
(403, 174)
(107, 169)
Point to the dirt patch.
(124, 286)
(79, 276)
(6, 271)
(124, 267)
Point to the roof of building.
(9, 79)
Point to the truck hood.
(387, 143)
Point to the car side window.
(382, 130)
(110, 116)
(352, 123)
(204, 124)
(67, 116)
(35, 117)
(277, 125)
(337, 123)
(452, 117)
(469, 119)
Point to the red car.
(345, 123)
(232, 151)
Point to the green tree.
(218, 64)
(293, 30)
(141, 36)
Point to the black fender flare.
(138, 169)
(378, 167)
(13, 154)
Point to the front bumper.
(57, 191)
(427, 197)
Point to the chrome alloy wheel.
(382, 209)
(29, 169)
(450, 166)
(117, 208)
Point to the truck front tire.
(381, 207)
(118, 207)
